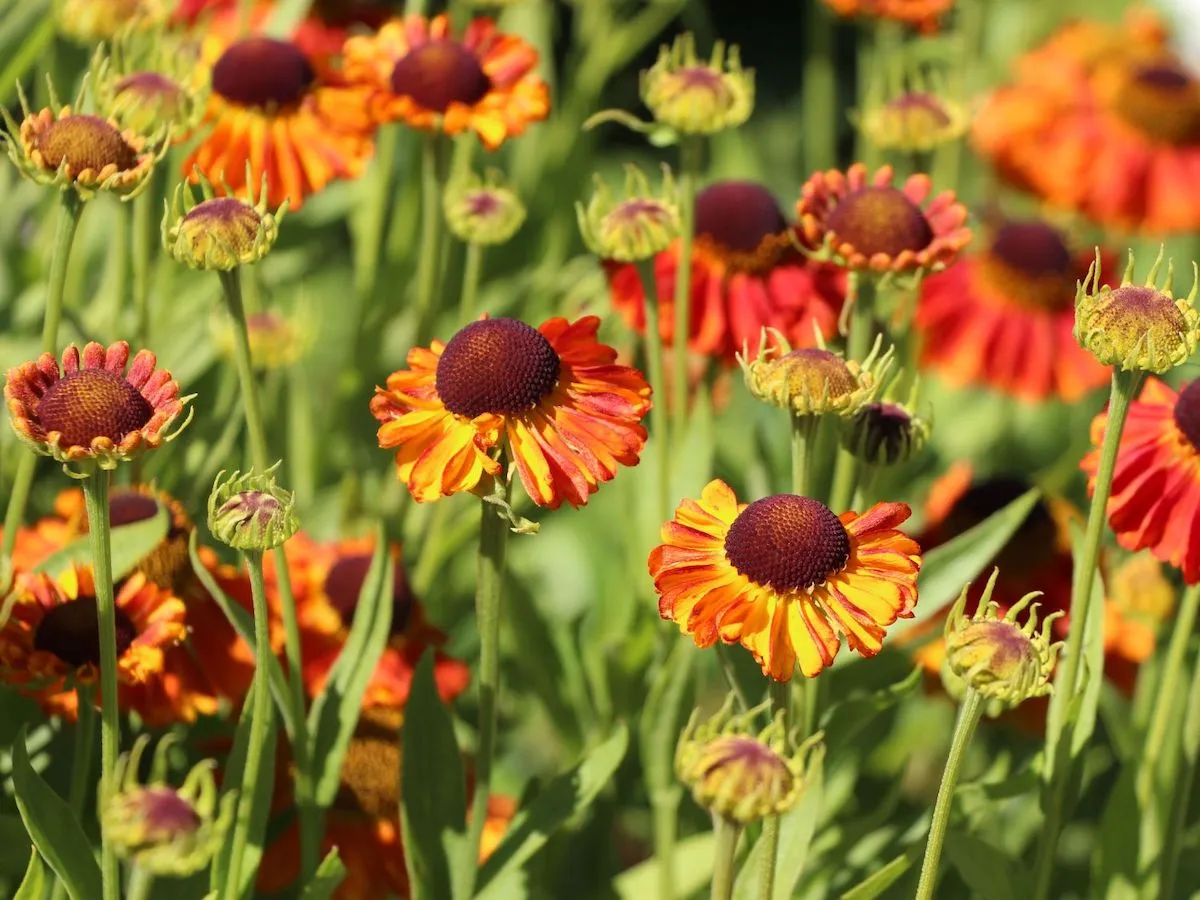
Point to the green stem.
(429, 262)
(95, 495)
(1181, 794)
(493, 541)
(664, 804)
(472, 274)
(858, 346)
(231, 282)
(724, 853)
(821, 119)
(968, 718)
(689, 151)
(141, 884)
(1124, 387)
(64, 236)
(781, 701)
(81, 762)
(658, 413)
(141, 226)
(260, 724)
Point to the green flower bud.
(813, 381)
(886, 432)
(219, 232)
(482, 210)
(635, 228)
(695, 97)
(250, 512)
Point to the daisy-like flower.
(150, 81)
(278, 114)
(1155, 500)
(91, 412)
(418, 73)
(747, 276)
(864, 223)
(1005, 317)
(51, 640)
(784, 576)
(923, 14)
(552, 397)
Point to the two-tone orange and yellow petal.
(418, 73)
(552, 400)
(785, 577)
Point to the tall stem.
(260, 724)
(858, 345)
(1124, 387)
(95, 495)
(781, 701)
(472, 273)
(689, 151)
(724, 869)
(141, 227)
(81, 762)
(429, 262)
(664, 806)
(64, 236)
(968, 718)
(1181, 795)
(493, 541)
(820, 93)
(658, 412)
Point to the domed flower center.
(1030, 265)
(1035, 541)
(126, 507)
(816, 373)
(345, 580)
(370, 777)
(788, 542)
(1136, 315)
(498, 366)
(439, 73)
(738, 215)
(235, 223)
(1187, 413)
(1162, 100)
(71, 632)
(165, 814)
(263, 72)
(84, 142)
(880, 220)
(92, 403)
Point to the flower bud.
(250, 512)
(219, 232)
(1137, 327)
(635, 228)
(813, 381)
(743, 776)
(482, 210)
(911, 112)
(693, 97)
(886, 432)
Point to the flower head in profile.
(814, 381)
(887, 431)
(551, 400)
(220, 232)
(741, 773)
(1137, 327)
(694, 96)
(482, 210)
(249, 511)
(159, 828)
(91, 412)
(637, 226)
(785, 577)
(414, 70)
(864, 223)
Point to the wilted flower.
(636, 227)
(697, 97)
(482, 210)
(220, 232)
(248, 511)
(813, 381)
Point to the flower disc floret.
(697, 97)
(264, 72)
(1160, 98)
(249, 511)
(885, 433)
(496, 366)
(145, 101)
(916, 121)
(439, 73)
(788, 542)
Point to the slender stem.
(968, 718)
(724, 852)
(472, 273)
(820, 93)
(493, 541)
(141, 225)
(81, 761)
(260, 724)
(858, 345)
(429, 262)
(1181, 794)
(658, 413)
(689, 151)
(369, 235)
(231, 281)
(781, 701)
(664, 805)
(64, 236)
(95, 495)
(1124, 387)
(731, 677)
(141, 884)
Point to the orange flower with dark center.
(418, 73)
(1004, 317)
(784, 576)
(553, 397)
(747, 276)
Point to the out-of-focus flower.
(277, 341)
(553, 397)
(783, 576)
(90, 22)
(864, 223)
(747, 276)
(220, 232)
(1004, 317)
(923, 14)
(813, 381)
(482, 210)
(418, 73)
(638, 226)
(91, 412)
(151, 84)
(693, 96)
(912, 112)
(249, 511)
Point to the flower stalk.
(658, 415)
(724, 853)
(689, 161)
(1182, 793)
(858, 345)
(81, 762)
(781, 697)
(433, 177)
(472, 274)
(143, 228)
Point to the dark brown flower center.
(738, 215)
(128, 506)
(1162, 100)
(71, 632)
(370, 777)
(496, 366)
(85, 142)
(92, 403)
(1037, 537)
(263, 72)
(439, 73)
(166, 814)
(880, 220)
(1030, 265)
(788, 542)
(1187, 413)
(345, 580)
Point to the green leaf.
(130, 545)
(564, 797)
(693, 870)
(34, 883)
(662, 717)
(53, 828)
(845, 721)
(883, 878)
(335, 711)
(433, 794)
(982, 866)
(328, 877)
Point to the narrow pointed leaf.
(882, 878)
(34, 883)
(328, 878)
(130, 545)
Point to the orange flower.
(1155, 500)
(419, 74)
(747, 276)
(552, 396)
(1004, 317)
(867, 224)
(920, 13)
(281, 112)
(784, 575)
